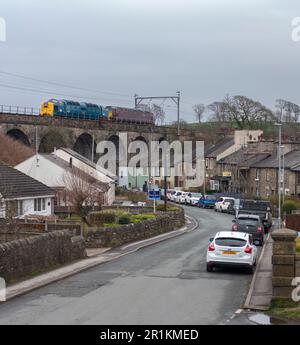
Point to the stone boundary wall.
(286, 263)
(36, 254)
(117, 236)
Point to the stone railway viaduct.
(78, 135)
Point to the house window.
(267, 175)
(298, 178)
(40, 204)
(257, 174)
(20, 208)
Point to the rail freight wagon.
(72, 109)
(120, 114)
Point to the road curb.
(38, 282)
(250, 292)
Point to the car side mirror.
(211, 239)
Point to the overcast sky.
(204, 48)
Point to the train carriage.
(90, 111)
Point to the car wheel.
(216, 210)
(251, 269)
(209, 268)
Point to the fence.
(12, 109)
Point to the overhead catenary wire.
(62, 84)
(50, 92)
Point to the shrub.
(298, 245)
(140, 217)
(288, 206)
(124, 220)
(161, 207)
(99, 218)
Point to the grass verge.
(298, 245)
(283, 309)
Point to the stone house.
(224, 148)
(253, 171)
(264, 175)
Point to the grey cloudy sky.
(204, 48)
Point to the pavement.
(95, 257)
(260, 292)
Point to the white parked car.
(174, 195)
(193, 198)
(180, 198)
(170, 192)
(222, 204)
(234, 249)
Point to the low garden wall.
(36, 254)
(116, 236)
(292, 221)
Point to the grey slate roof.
(220, 147)
(15, 184)
(244, 157)
(291, 159)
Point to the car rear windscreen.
(230, 242)
(211, 198)
(247, 221)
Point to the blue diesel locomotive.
(73, 109)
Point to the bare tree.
(199, 110)
(83, 191)
(218, 110)
(242, 111)
(158, 113)
(287, 111)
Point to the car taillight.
(234, 227)
(248, 250)
(259, 229)
(211, 247)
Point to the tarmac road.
(165, 283)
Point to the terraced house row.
(250, 166)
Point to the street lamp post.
(283, 173)
(279, 124)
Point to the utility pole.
(93, 147)
(204, 186)
(178, 112)
(175, 99)
(36, 146)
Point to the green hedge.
(288, 206)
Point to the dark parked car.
(260, 208)
(250, 224)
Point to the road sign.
(154, 194)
